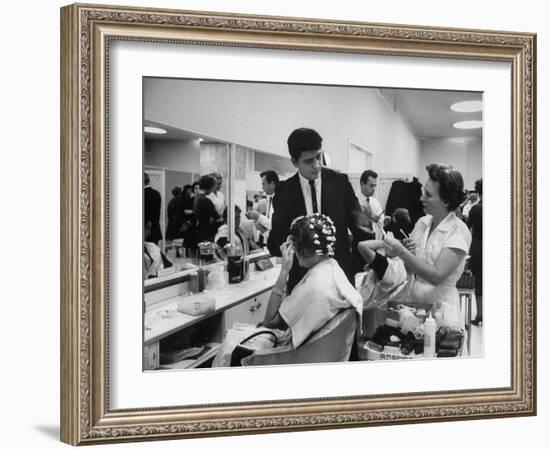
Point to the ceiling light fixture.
(467, 106)
(154, 130)
(468, 124)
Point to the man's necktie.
(369, 212)
(313, 196)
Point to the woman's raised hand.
(287, 251)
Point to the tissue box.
(196, 305)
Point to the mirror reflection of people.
(153, 258)
(264, 211)
(196, 188)
(189, 226)
(151, 209)
(245, 236)
(175, 213)
(436, 252)
(293, 315)
(313, 189)
(207, 217)
(216, 195)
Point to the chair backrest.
(331, 343)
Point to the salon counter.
(162, 319)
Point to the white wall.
(30, 328)
(464, 154)
(261, 116)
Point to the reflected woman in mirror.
(208, 219)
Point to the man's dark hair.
(366, 175)
(146, 179)
(301, 140)
(270, 176)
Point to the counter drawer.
(251, 311)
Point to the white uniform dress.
(450, 233)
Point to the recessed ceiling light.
(201, 139)
(467, 106)
(468, 124)
(154, 130)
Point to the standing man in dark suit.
(151, 210)
(313, 189)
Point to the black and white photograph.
(289, 223)
(271, 222)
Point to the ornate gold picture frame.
(87, 33)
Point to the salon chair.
(331, 343)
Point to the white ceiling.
(426, 113)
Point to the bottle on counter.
(201, 274)
(234, 263)
(429, 336)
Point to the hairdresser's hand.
(287, 251)
(393, 246)
(410, 244)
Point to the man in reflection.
(151, 210)
(263, 213)
(313, 189)
(245, 235)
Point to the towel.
(318, 297)
(394, 285)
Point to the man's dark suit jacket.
(338, 201)
(151, 212)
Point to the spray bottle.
(429, 336)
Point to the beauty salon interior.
(381, 198)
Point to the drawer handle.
(255, 307)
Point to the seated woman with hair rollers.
(318, 297)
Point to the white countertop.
(163, 319)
